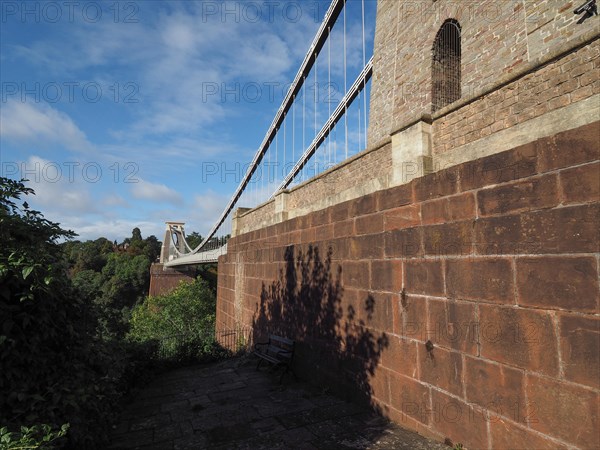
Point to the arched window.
(445, 65)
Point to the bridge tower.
(173, 241)
(164, 279)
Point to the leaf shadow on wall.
(334, 348)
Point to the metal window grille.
(445, 65)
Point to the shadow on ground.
(231, 405)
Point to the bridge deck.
(208, 257)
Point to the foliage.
(124, 282)
(151, 248)
(182, 321)
(112, 278)
(193, 239)
(191, 306)
(64, 310)
(54, 369)
(90, 255)
(208, 272)
(35, 437)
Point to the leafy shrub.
(36, 437)
(62, 361)
(54, 369)
(180, 324)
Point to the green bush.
(181, 324)
(55, 370)
(36, 437)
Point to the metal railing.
(204, 345)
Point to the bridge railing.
(322, 119)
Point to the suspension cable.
(315, 113)
(328, 148)
(304, 117)
(335, 8)
(364, 91)
(294, 129)
(345, 88)
(352, 93)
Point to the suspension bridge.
(334, 139)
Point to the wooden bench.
(279, 351)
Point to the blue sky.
(120, 112)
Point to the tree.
(125, 282)
(91, 255)
(187, 314)
(53, 372)
(152, 248)
(136, 235)
(193, 239)
(110, 281)
(89, 284)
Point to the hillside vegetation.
(77, 329)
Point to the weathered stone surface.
(496, 388)
(521, 337)
(424, 277)
(559, 282)
(495, 268)
(580, 348)
(261, 415)
(563, 411)
(480, 279)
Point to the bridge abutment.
(446, 302)
(163, 279)
(448, 275)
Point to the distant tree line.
(112, 277)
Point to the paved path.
(230, 405)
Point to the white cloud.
(69, 201)
(144, 190)
(54, 190)
(179, 34)
(114, 200)
(210, 203)
(114, 229)
(172, 59)
(204, 211)
(170, 54)
(41, 123)
(59, 197)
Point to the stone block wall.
(559, 95)
(164, 280)
(501, 41)
(366, 172)
(560, 83)
(464, 304)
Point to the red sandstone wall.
(494, 262)
(498, 40)
(164, 281)
(560, 83)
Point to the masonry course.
(495, 262)
(448, 275)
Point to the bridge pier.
(164, 279)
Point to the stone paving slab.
(231, 405)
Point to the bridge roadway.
(207, 257)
